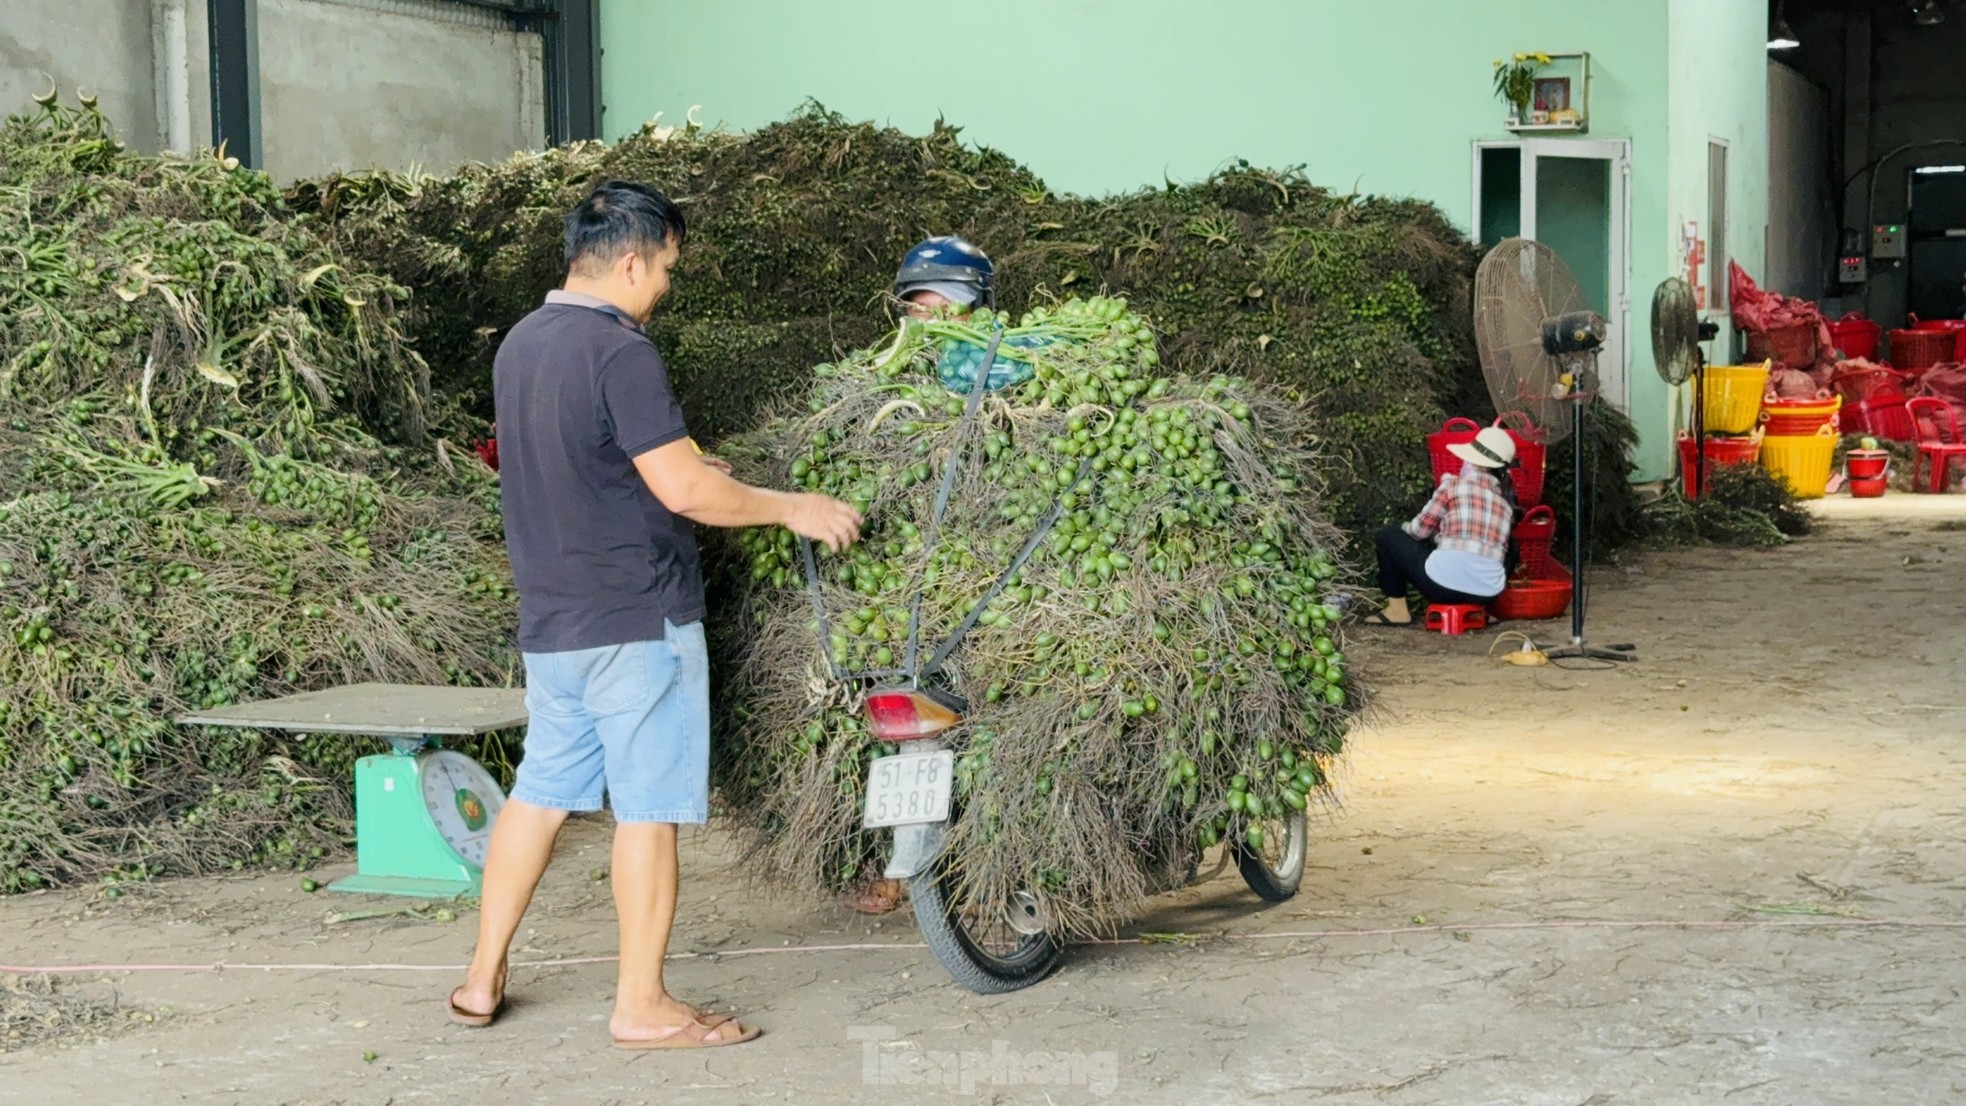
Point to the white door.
(1575, 196)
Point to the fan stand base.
(1579, 650)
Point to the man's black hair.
(618, 216)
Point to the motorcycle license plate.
(909, 788)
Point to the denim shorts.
(631, 721)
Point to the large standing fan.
(1539, 343)
(1676, 336)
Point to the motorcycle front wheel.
(989, 951)
(1275, 868)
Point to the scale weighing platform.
(423, 813)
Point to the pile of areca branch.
(218, 483)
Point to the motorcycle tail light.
(900, 714)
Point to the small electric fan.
(1677, 332)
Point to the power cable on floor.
(1140, 939)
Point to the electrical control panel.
(1852, 270)
(1887, 242)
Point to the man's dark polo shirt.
(580, 392)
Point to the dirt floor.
(1731, 872)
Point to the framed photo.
(1552, 95)
(1559, 96)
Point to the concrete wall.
(1917, 97)
(1801, 217)
(351, 84)
(345, 84)
(1892, 84)
(102, 47)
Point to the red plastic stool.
(1454, 619)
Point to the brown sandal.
(471, 1019)
(1379, 619)
(696, 1033)
(882, 896)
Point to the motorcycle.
(990, 948)
(995, 948)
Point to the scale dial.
(462, 801)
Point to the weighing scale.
(423, 814)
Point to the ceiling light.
(1927, 13)
(1781, 36)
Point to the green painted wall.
(1100, 96)
(1109, 95)
(1717, 88)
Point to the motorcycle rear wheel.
(981, 949)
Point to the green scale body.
(423, 818)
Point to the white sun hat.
(1491, 449)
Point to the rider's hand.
(823, 519)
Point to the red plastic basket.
(1797, 418)
(1878, 383)
(1856, 336)
(1794, 345)
(1921, 349)
(1868, 487)
(1880, 418)
(1534, 536)
(1866, 464)
(1719, 451)
(1455, 431)
(1532, 601)
(1954, 327)
(1530, 453)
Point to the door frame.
(1615, 364)
(1720, 304)
(1482, 146)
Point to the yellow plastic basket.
(1733, 397)
(1802, 461)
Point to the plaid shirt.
(1468, 513)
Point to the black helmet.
(950, 267)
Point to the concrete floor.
(1728, 873)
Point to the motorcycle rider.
(944, 276)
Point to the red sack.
(1944, 381)
(1755, 309)
(1789, 383)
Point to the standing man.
(600, 484)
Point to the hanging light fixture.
(1781, 36)
(1927, 13)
